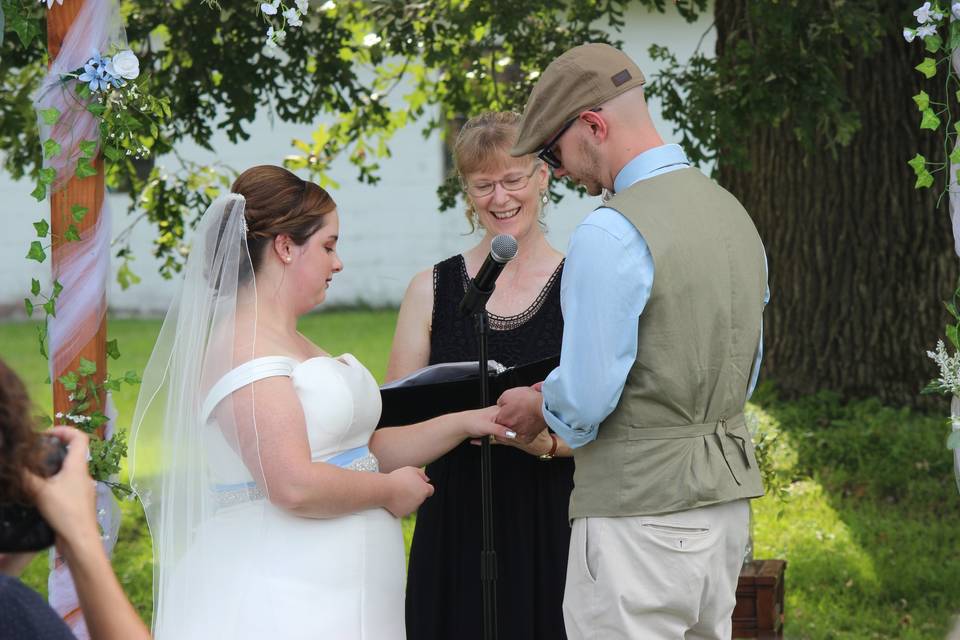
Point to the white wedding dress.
(262, 572)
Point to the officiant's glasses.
(511, 183)
(547, 154)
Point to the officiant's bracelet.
(553, 449)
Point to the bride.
(272, 502)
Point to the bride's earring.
(544, 199)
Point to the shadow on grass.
(871, 530)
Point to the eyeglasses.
(547, 154)
(481, 189)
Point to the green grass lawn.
(870, 526)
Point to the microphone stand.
(475, 303)
(488, 555)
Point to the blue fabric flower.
(96, 74)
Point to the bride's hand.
(483, 422)
(409, 486)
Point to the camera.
(22, 528)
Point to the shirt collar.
(649, 163)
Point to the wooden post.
(86, 192)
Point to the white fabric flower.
(927, 30)
(909, 34)
(923, 13)
(955, 9)
(124, 65)
(329, 5)
(292, 16)
(371, 39)
(270, 8)
(50, 3)
(302, 5)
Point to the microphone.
(503, 249)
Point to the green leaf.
(69, 381)
(50, 307)
(87, 367)
(88, 148)
(933, 43)
(96, 108)
(113, 153)
(924, 180)
(34, 287)
(48, 175)
(39, 192)
(919, 163)
(44, 421)
(952, 309)
(79, 212)
(952, 335)
(928, 67)
(126, 277)
(42, 227)
(71, 235)
(57, 288)
(36, 252)
(955, 155)
(112, 349)
(85, 169)
(51, 148)
(25, 28)
(28, 306)
(930, 120)
(50, 116)
(953, 440)
(923, 100)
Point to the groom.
(662, 294)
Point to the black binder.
(415, 402)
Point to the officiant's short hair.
(278, 202)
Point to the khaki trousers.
(669, 577)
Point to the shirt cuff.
(574, 438)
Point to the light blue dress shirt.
(606, 282)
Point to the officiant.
(531, 483)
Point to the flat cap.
(580, 79)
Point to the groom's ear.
(597, 124)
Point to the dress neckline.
(505, 323)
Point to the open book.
(444, 372)
(453, 386)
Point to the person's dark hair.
(280, 203)
(20, 448)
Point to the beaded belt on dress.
(229, 495)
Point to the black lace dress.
(530, 496)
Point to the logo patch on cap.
(620, 78)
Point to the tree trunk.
(859, 260)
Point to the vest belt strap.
(721, 429)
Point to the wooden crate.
(759, 610)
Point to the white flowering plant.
(281, 15)
(948, 363)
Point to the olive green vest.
(677, 439)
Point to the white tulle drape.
(180, 456)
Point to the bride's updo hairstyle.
(280, 203)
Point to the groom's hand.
(520, 411)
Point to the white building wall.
(389, 231)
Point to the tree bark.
(859, 260)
